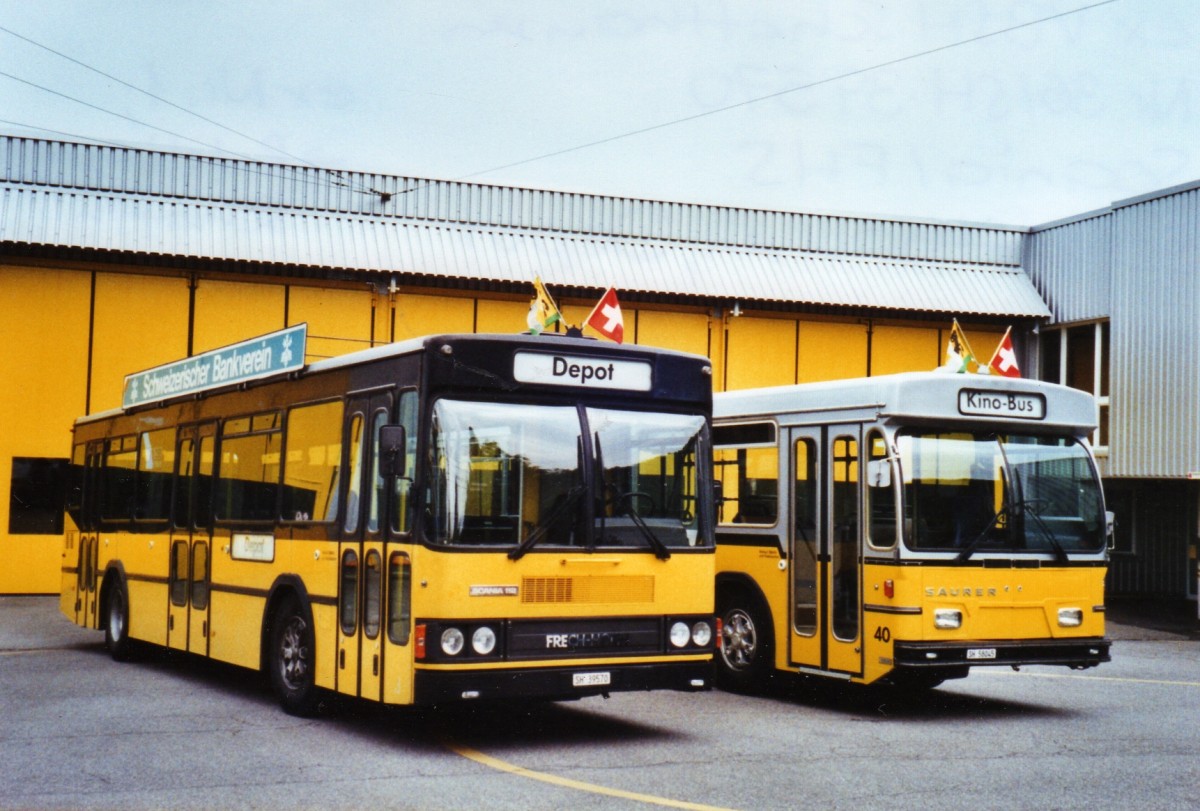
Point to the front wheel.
(290, 659)
(744, 663)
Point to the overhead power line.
(779, 93)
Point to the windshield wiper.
(1022, 509)
(1060, 553)
(660, 549)
(551, 518)
(970, 548)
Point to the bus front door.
(824, 551)
(191, 541)
(360, 658)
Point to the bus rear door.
(189, 574)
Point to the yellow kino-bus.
(419, 523)
(907, 528)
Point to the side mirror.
(1110, 527)
(392, 458)
(879, 473)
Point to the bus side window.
(748, 472)
(248, 478)
(881, 495)
(311, 472)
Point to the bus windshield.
(988, 492)
(516, 474)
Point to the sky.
(1004, 112)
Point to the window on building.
(1078, 356)
(35, 504)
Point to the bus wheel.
(116, 622)
(745, 654)
(290, 659)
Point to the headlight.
(483, 641)
(452, 641)
(1070, 617)
(680, 634)
(947, 618)
(702, 634)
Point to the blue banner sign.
(267, 355)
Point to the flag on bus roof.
(606, 318)
(543, 312)
(1004, 359)
(959, 357)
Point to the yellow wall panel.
(228, 312)
(141, 322)
(504, 317)
(44, 316)
(905, 349)
(685, 332)
(832, 350)
(761, 352)
(339, 321)
(417, 316)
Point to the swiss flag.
(605, 317)
(1004, 360)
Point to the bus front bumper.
(1076, 653)
(558, 683)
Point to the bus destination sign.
(582, 371)
(267, 355)
(1009, 404)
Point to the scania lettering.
(906, 528)
(420, 523)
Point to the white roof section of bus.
(156, 204)
(907, 397)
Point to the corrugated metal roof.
(123, 170)
(156, 225)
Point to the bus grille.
(588, 589)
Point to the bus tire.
(116, 621)
(290, 658)
(745, 659)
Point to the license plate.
(590, 679)
(981, 653)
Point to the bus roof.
(919, 397)
(543, 342)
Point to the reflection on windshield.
(985, 492)
(515, 475)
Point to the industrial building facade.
(114, 260)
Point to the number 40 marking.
(883, 633)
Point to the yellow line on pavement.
(520, 771)
(1091, 678)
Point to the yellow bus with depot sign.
(458, 517)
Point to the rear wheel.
(744, 662)
(290, 658)
(116, 622)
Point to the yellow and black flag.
(543, 312)
(959, 356)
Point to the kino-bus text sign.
(256, 358)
